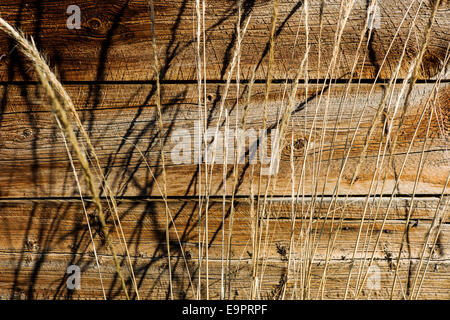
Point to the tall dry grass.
(305, 235)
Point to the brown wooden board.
(122, 123)
(37, 276)
(114, 42)
(60, 227)
(41, 239)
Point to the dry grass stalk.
(161, 140)
(72, 164)
(414, 73)
(47, 78)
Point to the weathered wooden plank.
(44, 277)
(60, 227)
(121, 120)
(423, 208)
(114, 42)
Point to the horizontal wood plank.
(114, 42)
(60, 227)
(40, 239)
(122, 123)
(44, 277)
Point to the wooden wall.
(107, 69)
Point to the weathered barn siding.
(107, 69)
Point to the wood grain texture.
(107, 67)
(40, 239)
(114, 42)
(45, 277)
(121, 121)
(60, 227)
